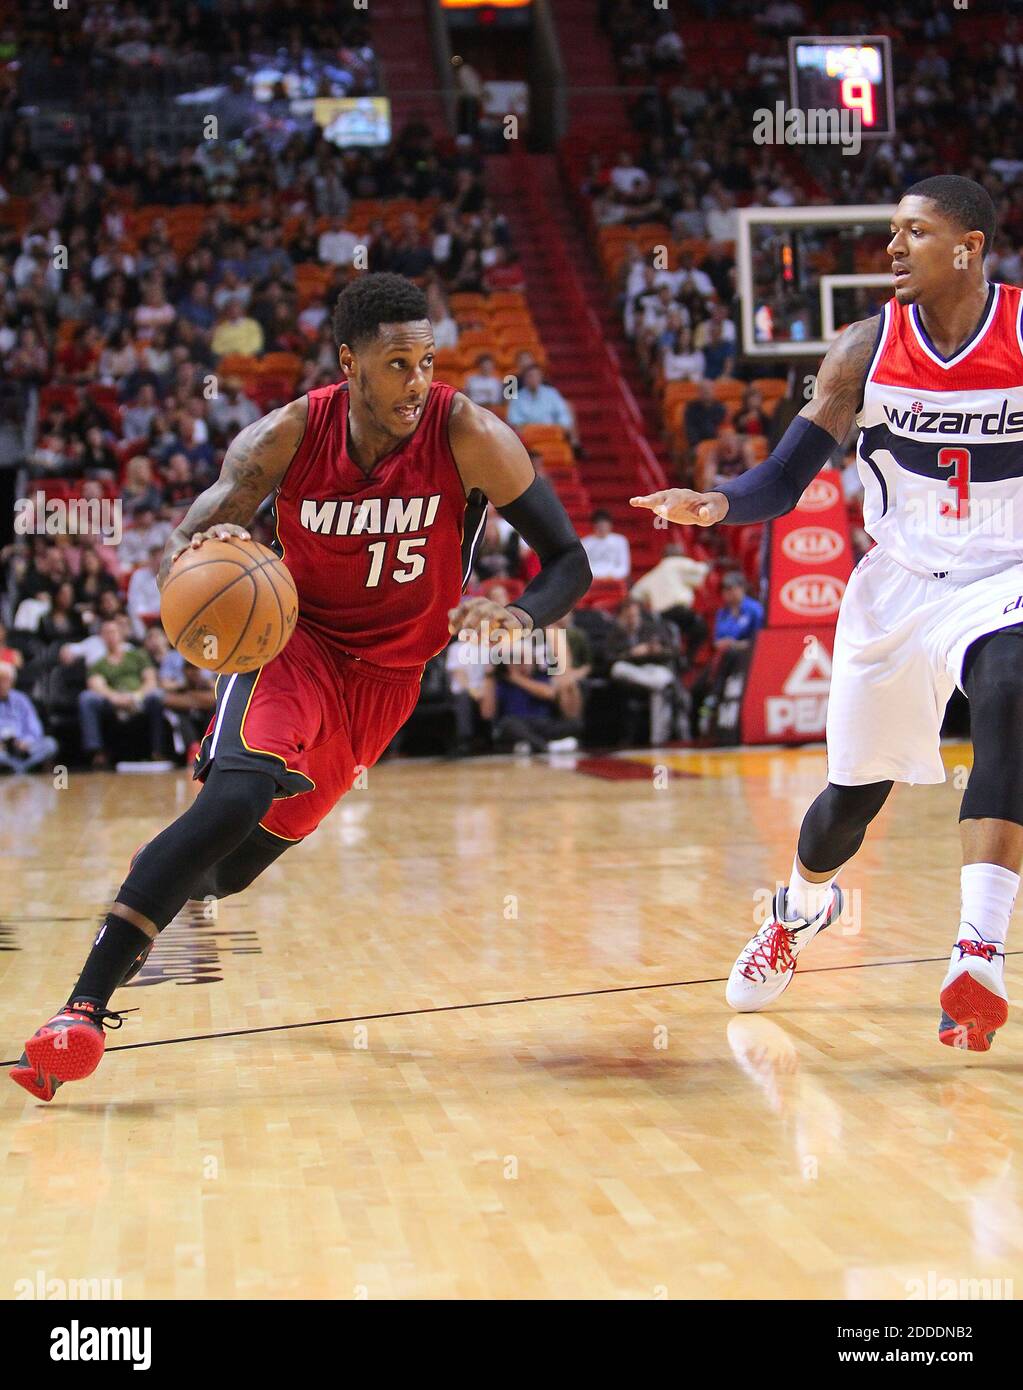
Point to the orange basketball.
(229, 606)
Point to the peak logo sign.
(786, 695)
(812, 595)
(819, 496)
(812, 545)
(802, 707)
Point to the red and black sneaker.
(66, 1048)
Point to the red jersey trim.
(991, 360)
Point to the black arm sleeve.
(774, 487)
(564, 577)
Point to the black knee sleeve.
(224, 814)
(833, 828)
(243, 865)
(993, 682)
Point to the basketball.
(229, 606)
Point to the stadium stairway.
(590, 76)
(401, 39)
(565, 299)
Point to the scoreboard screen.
(487, 14)
(851, 74)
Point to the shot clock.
(844, 73)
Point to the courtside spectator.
(445, 329)
(571, 649)
(718, 353)
(138, 417)
(504, 273)
(94, 580)
(187, 690)
(336, 245)
(140, 491)
(121, 686)
(739, 618)
(680, 360)
(644, 655)
(704, 416)
(530, 717)
(669, 590)
(23, 744)
(233, 410)
(751, 418)
(485, 385)
(63, 623)
(144, 594)
(730, 457)
(237, 333)
(146, 532)
(607, 549)
(538, 403)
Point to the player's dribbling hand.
(472, 613)
(223, 531)
(683, 505)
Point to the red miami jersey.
(940, 453)
(378, 561)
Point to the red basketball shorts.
(313, 718)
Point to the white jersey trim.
(886, 323)
(882, 336)
(967, 348)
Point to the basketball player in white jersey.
(935, 384)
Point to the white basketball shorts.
(899, 650)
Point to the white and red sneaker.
(767, 962)
(974, 1002)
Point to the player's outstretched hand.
(223, 531)
(683, 505)
(472, 613)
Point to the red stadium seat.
(67, 396)
(604, 593)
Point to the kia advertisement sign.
(825, 491)
(812, 596)
(809, 557)
(786, 695)
(812, 545)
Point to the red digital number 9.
(959, 461)
(858, 95)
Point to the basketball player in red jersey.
(381, 485)
(935, 384)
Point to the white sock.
(806, 899)
(988, 895)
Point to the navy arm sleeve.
(774, 487)
(542, 522)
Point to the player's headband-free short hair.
(372, 300)
(963, 201)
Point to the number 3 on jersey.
(959, 461)
(407, 554)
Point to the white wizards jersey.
(940, 453)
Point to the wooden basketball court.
(471, 1041)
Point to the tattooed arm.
(774, 487)
(841, 377)
(254, 465)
